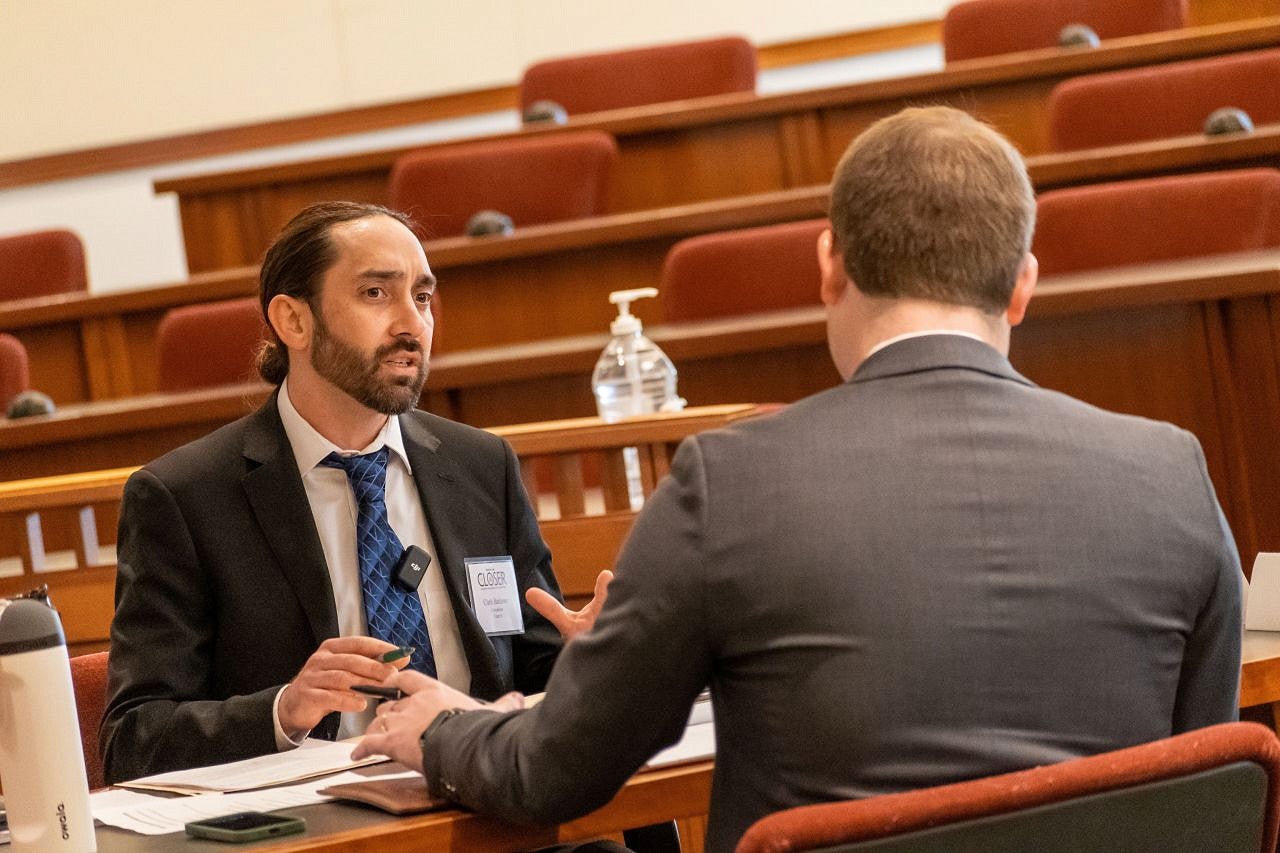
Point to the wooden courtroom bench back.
(61, 531)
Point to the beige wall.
(82, 73)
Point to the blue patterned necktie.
(393, 613)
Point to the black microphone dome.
(28, 404)
(1227, 120)
(489, 222)
(1077, 35)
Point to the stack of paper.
(151, 815)
(314, 758)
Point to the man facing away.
(932, 572)
(256, 582)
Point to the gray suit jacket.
(933, 572)
(222, 590)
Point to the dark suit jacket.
(222, 589)
(933, 572)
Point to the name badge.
(495, 596)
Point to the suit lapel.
(279, 501)
(437, 479)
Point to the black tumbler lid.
(28, 626)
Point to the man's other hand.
(571, 623)
(323, 685)
(397, 729)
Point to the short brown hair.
(933, 204)
(296, 262)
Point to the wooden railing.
(60, 531)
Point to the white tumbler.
(46, 790)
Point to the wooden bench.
(60, 531)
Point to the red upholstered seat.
(742, 272)
(41, 264)
(1160, 101)
(533, 180)
(1181, 800)
(989, 27)
(14, 376)
(209, 344)
(649, 75)
(89, 681)
(1156, 219)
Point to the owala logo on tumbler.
(62, 821)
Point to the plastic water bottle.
(633, 377)
(41, 761)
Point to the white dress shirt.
(921, 334)
(334, 508)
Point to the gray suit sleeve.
(1209, 684)
(156, 717)
(617, 695)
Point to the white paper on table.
(313, 758)
(148, 814)
(1262, 594)
(698, 741)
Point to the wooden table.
(670, 793)
(682, 792)
(1260, 672)
(708, 148)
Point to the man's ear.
(831, 266)
(1023, 287)
(292, 320)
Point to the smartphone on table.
(245, 826)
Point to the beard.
(358, 375)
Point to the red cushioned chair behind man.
(1214, 790)
(42, 263)
(1162, 101)
(989, 27)
(1157, 219)
(209, 344)
(648, 75)
(533, 180)
(89, 681)
(742, 272)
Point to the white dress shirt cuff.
(285, 741)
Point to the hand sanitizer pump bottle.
(46, 790)
(633, 377)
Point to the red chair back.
(200, 346)
(649, 75)
(537, 179)
(989, 27)
(89, 681)
(1181, 789)
(742, 272)
(14, 375)
(42, 263)
(1157, 219)
(1161, 101)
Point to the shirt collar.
(908, 335)
(310, 447)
